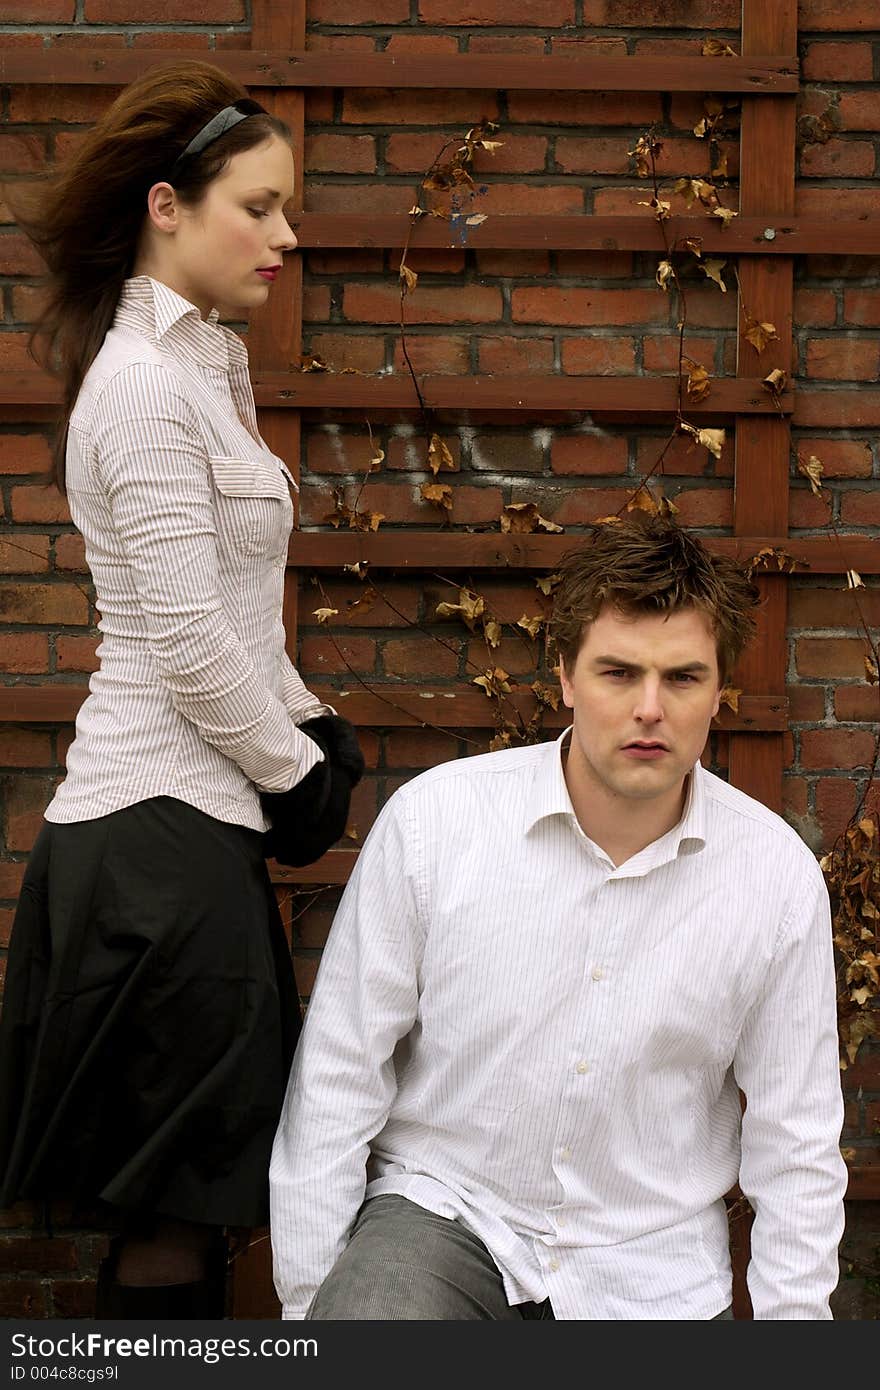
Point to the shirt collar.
(150, 304)
(550, 797)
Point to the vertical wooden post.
(767, 187)
(274, 344)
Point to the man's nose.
(649, 705)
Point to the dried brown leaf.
(521, 518)
(698, 382)
(730, 696)
(547, 582)
(438, 494)
(759, 334)
(439, 455)
(492, 631)
(409, 278)
(812, 470)
(665, 273)
(531, 625)
(325, 614)
(724, 215)
(712, 267)
(717, 48)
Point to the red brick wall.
(495, 313)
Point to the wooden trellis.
(765, 236)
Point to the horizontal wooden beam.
(462, 550)
(744, 236)
(354, 391)
(771, 75)
(386, 705)
(864, 1182)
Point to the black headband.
(217, 126)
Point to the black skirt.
(150, 1018)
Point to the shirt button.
(565, 1153)
(582, 1067)
(560, 1220)
(597, 973)
(554, 1265)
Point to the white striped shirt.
(508, 1029)
(186, 516)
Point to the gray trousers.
(405, 1263)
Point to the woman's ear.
(162, 208)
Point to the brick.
(422, 43)
(663, 14)
(841, 458)
(830, 656)
(353, 262)
(661, 354)
(336, 452)
(325, 656)
(843, 359)
(794, 795)
(669, 48)
(340, 43)
(598, 356)
(22, 154)
(630, 109)
(846, 16)
(812, 201)
(684, 457)
(418, 748)
(32, 1254)
(162, 11)
(812, 607)
(550, 13)
(519, 264)
(70, 554)
(588, 454)
(429, 304)
(705, 507)
(24, 748)
(28, 303)
(845, 749)
(862, 307)
(22, 1298)
(36, 12)
(475, 506)
(418, 658)
(175, 39)
(846, 159)
(39, 502)
(358, 12)
(376, 106)
(444, 356)
(588, 46)
(431, 261)
(316, 303)
(43, 603)
(857, 704)
(838, 62)
(710, 308)
(860, 110)
(836, 801)
(14, 354)
(583, 505)
(515, 356)
(11, 875)
(24, 653)
(76, 653)
(397, 604)
(26, 799)
(518, 658)
(806, 703)
(519, 154)
(595, 265)
(507, 453)
(52, 105)
(805, 510)
(815, 308)
(319, 105)
(587, 308)
(73, 1298)
(342, 154)
(587, 154)
(504, 43)
(24, 453)
(24, 554)
(860, 508)
(408, 449)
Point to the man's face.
(643, 690)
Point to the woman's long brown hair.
(86, 220)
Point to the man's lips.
(645, 750)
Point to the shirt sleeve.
(792, 1172)
(151, 460)
(301, 703)
(343, 1081)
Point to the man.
(517, 1091)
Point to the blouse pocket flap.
(236, 477)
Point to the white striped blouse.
(509, 1030)
(186, 516)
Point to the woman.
(151, 1011)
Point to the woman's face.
(227, 250)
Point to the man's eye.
(684, 677)
(618, 672)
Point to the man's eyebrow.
(618, 661)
